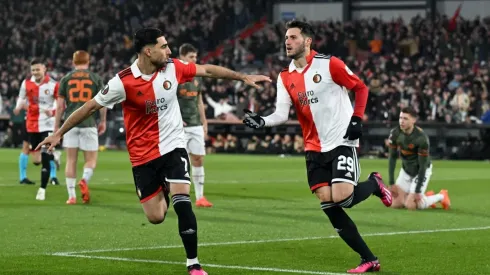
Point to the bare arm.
(60, 109)
(214, 71)
(202, 113)
(82, 113)
(103, 115)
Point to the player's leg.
(177, 174)
(46, 158)
(319, 172)
(197, 151)
(89, 143)
(24, 158)
(71, 144)
(430, 199)
(401, 189)
(346, 191)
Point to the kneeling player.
(416, 166)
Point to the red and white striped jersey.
(151, 110)
(320, 97)
(41, 98)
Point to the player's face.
(406, 121)
(38, 71)
(160, 53)
(190, 57)
(296, 43)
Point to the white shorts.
(85, 138)
(194, 136)
(408, 183)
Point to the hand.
(17, 111)
(49, 113)
(252, 79)
(393, 190)
(253, 120)
(354, 130)
(183, 123)
(51, 141)
(418, 197)
(101, 128)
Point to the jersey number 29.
(345, 163)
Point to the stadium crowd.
(438, 67)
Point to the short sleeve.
(113, 93)
(184, 71)
(341, 74)
(282, 93)
(56, 90)
(62, 88)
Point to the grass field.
(265, 221)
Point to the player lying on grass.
(416, 169)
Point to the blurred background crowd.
(440, 67)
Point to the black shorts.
(152, 177)
(36, 138)
(338, 165)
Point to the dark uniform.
(416, 163)
(78, 87)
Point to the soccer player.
(154, 129)
(195, 124)
(416, 166)
(76, 88)
(39, 92)
(315, 84)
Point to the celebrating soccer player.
(315, 84)
(416, 169)
(155, 133)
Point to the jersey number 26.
(81, 92)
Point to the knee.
(411, 205)
(157, 219)
(197, 161)
(339, 197)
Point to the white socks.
(87, 174)
(70, 186)
(198, 180)
(426, 202)
(192, 261)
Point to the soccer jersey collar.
(135, 70)
(309, 58)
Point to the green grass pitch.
(265, 221)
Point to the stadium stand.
(439, 68)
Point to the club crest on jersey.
(167, 85)
(106, 90)
(411, 146)
(317, 78)
(46, 92)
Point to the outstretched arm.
(283, 104)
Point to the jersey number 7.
(81, 92)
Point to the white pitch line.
(255, 268)
(273, 240)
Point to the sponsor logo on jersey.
(167, 85)
(152, 107)
(307, 98)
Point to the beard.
(300, 52)
(158, 63)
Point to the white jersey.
(41, 100)
(151, 110)
(319, 95)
